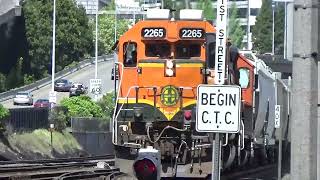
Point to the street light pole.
(285, 32)
(96, 48)
(272, 28)
(53, 46)
(96, 45)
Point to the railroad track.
(267, 172)
(101, 167)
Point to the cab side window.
(130, 54)
(244, 79)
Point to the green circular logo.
(169, 95)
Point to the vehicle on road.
(77, 89)
(62, 85)
(41, 103)
(23, 98)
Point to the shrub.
(107, 104)
(81, 106)
(58, 117)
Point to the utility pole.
(304, 119)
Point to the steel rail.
(59, 160)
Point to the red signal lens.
(145, 169)
(187, 115)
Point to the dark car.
(41, 103)
(62, 85)
(77, 89)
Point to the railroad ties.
(65, 168)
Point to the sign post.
(218, 126)
(218, 111)
(277, 125)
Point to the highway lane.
(84, 75)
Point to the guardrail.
(45, 81)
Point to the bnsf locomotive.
(161, 61)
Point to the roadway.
(84, 75)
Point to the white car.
(23, 98)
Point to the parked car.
(23, 98)
(42, 103)
(62, 85)
(77, 89)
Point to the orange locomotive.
(161, 63)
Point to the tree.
(208, 11)
(279, 29)
(2, 83)
(15, 77)
(235, 32)
(262, 30)
(106, 30)
(73, 35)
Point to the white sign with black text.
(218, 108)
(277, 116)
(53, 97)
(95, 86)
(221, 36)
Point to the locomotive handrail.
(242, 136)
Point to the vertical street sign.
(53, 96)
(277, 116)
(221, 34)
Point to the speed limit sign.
(95, 86)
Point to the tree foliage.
(279, 29)
(262, 31)
(15, 77)
(73, 35)
(81, 106)
(208, 11)
(234, 29)
(2, 83)
(3, 112)
(107, 30)
(107, 104)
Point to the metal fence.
(93, 135)
(27, 119)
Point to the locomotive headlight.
(169, 64)
(170, 68)
(169, 72)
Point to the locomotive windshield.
(161, 50)
(180, 50)
(187, 50)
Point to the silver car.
(23, 98)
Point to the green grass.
(39, 142)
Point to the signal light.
(187, 115)
(148, 164)
(145, 169)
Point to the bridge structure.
(9, 9)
